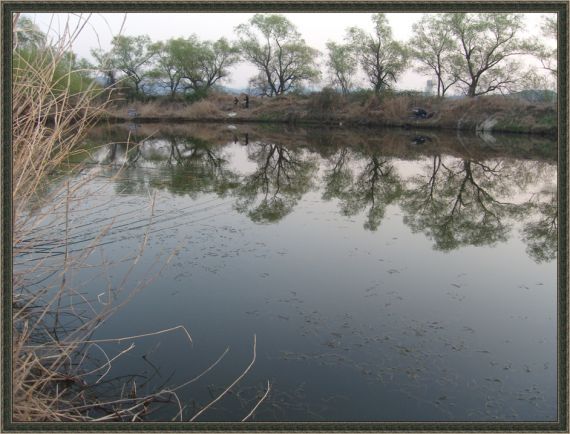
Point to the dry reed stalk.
(50, 358)
(221, 395)
(258, 403)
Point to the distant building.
(430, 85)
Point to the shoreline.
(344, 123)
(484, 115)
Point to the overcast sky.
(316, 29)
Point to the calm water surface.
(386, 276)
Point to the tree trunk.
(472, 89)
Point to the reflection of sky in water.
(353, 322)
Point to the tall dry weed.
(55, 373)
(49, 117)
(203, 109)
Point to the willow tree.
(382, 58)
(189, 63)
(487, 46)
(342, 65)
(167, 68)
(433, 47)
(132, 56)
(213, 63)
(275, 47)
(547, 53)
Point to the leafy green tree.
(342, 65)
(214, 61)
(487, 45)
(382, 58)
(433, 47)
(276, 49)
(192, 64)
(167, 68)
(132, 55)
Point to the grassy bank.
(483, 114)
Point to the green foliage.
(342, 65)
(275, 47)
(62, 72)
(433, 47)
(167, 68)
(131, 55)
(33, 56)
(191, 64)
(196, 95)
(485, 46)
(381, 57)
(546, 50)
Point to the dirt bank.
(483, 114)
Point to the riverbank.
(483, 114)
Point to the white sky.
(316, 29)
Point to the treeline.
(474, 53)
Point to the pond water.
(386, 276)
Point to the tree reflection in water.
(376, 186)
(454, 200)
(282, 177)
(460, 202)
(540, 233)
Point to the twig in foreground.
(258, 403)
(221, 395)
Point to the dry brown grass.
(57, 365)
(204, 109)
(385, 109)
(165, 109)
(47, 125)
